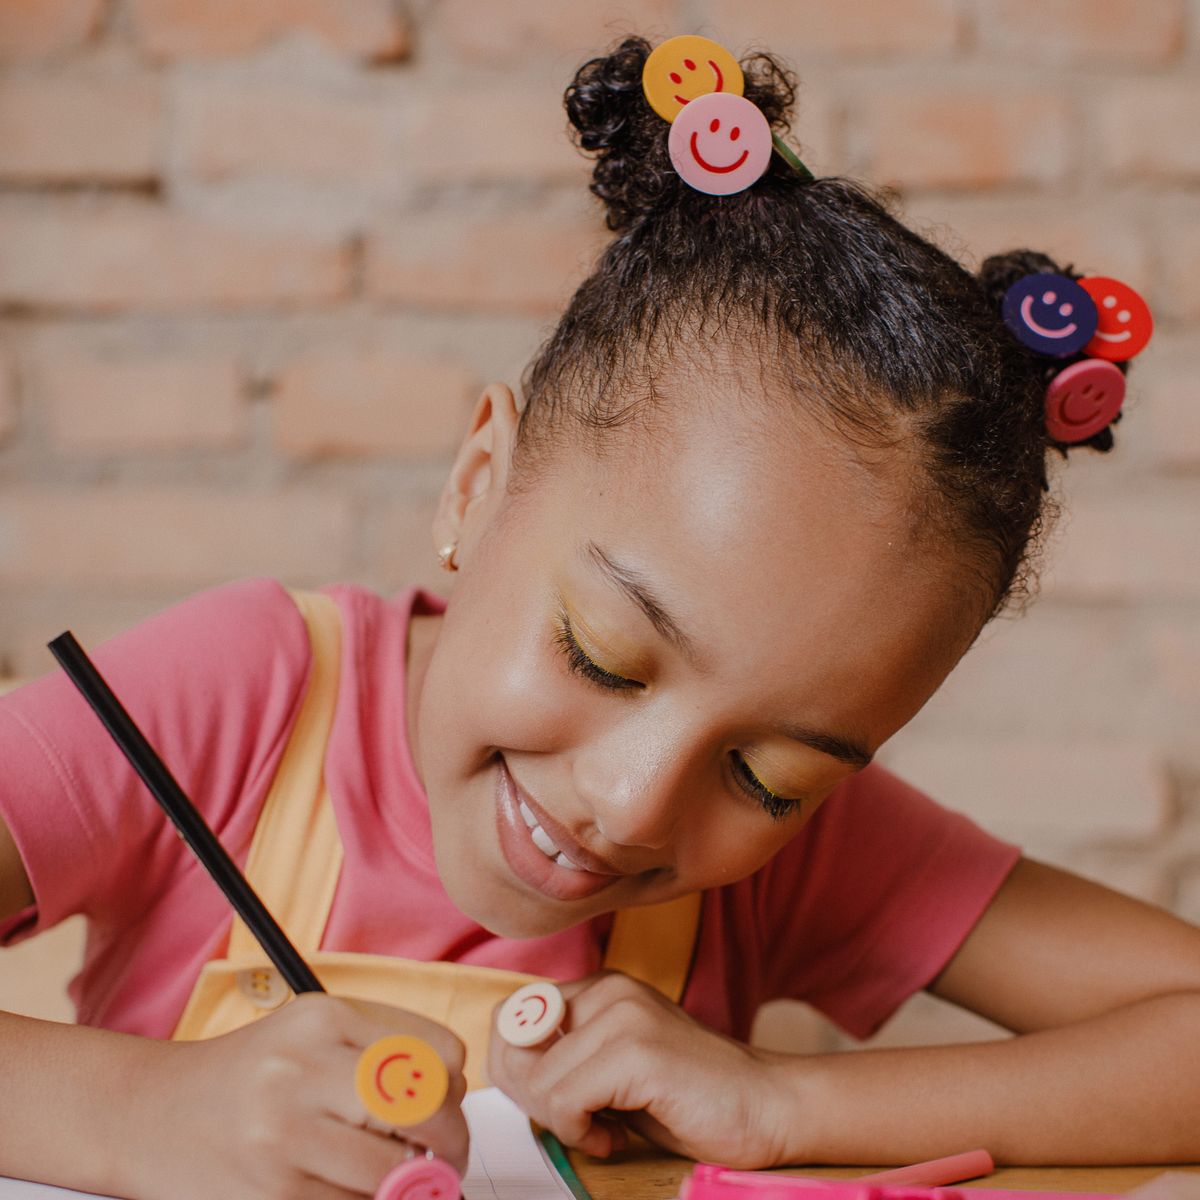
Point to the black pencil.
(183, 814)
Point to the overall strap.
(296, 856)
(655, 943)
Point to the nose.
(636, 789)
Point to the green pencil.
(562, 1164)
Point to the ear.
(481, 466)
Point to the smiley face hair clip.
(720, 142)
(1101, 318)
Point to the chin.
(509, 914)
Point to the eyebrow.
(638, 590)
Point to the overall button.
(263, 987)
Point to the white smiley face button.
(531, 1014)
(720, 144)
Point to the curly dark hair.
(854, 317)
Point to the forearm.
(68, 1102)
(1123, 1087)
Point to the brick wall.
(256, 257)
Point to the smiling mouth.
(733, 166)
(1040, 330)
(720, 81)
(1123, 336)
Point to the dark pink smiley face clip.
(720, 143)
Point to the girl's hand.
(271, 1111)
(626, 1048)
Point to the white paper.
(506, 1162)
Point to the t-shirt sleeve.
(214, 683)
(873, 899)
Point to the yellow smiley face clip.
(401, 1080)
(683, 68)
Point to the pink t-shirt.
(863, 908)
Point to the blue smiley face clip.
(1050, 314)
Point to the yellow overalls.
(294, 862)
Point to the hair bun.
(608, 110)
(997, 274)
(612, 119)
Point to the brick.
(1147, 129)
(506, 132)
(1099, 238)
(1082, 31)
(8, 399)
(1173, 662)
(1042, 791)
(130, 538)
(492, 34)
(1163, 399)
(64, 128)
(528, 262)
(800, 29)
(300, 130)
(367, 29)
(1178, 235)
(101, 405)
(372, 403)
(35, 28)
(1131, 546)
(1056, 668)
(34, 615)
(64, 254)
(398, 548)
(963, 137)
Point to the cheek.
(506, 690)
(727, 841)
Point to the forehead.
(793, 564)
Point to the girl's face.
(656, 664)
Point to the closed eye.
(579, 661)
(777, 807)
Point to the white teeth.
(543, 841)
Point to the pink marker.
(937, 1172)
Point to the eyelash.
(776, 807)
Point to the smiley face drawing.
(720, 144)
(1125, 322)
(531, 1014)
(401, 1080)
(683, 68)
(1050, 314)
(420, 1179)
(1083, 399)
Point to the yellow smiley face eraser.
(683, 68)
(401, 1080)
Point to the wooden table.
(646, 1174)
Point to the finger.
(445, 1133)
(589, 997)
(579, 1076)
(362, 1023)
(354, 1160)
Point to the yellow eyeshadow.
(604, 650)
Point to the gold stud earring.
(446, 556)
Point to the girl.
(776, 467)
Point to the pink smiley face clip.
(720, 143)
